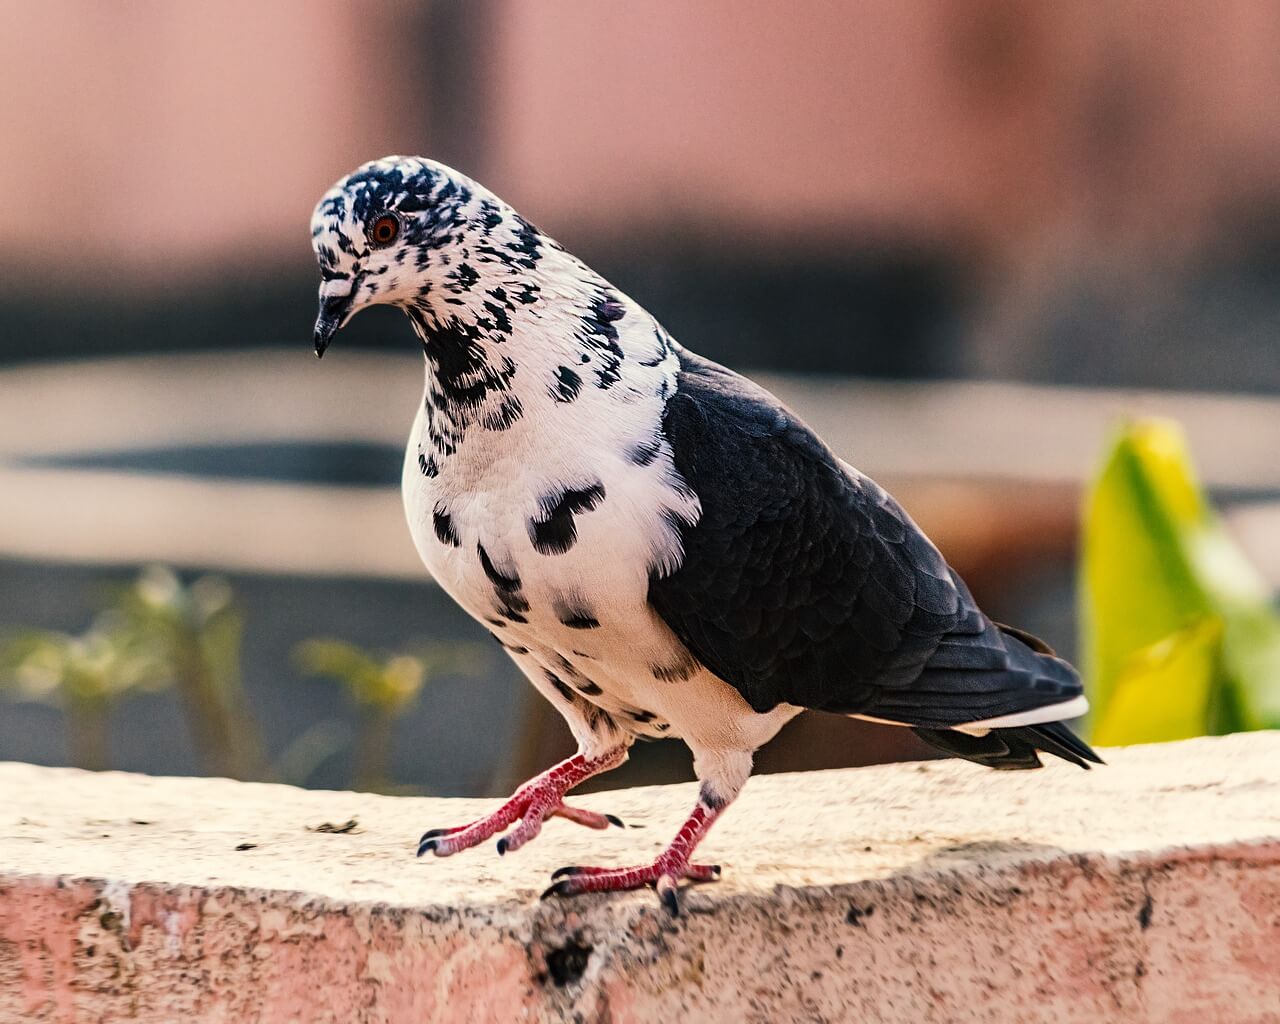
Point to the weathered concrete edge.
(289, 953)
(1262, 850)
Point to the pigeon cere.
(663, 548)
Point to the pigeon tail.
(1013, 742)
(1014, 749)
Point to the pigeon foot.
(663, 874)
(534, 802)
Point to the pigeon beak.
(335, 310)
(325, 330)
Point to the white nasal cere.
(335, 288)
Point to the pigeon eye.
(384, 230)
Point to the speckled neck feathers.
(519, 328)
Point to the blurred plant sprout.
(1180, 634)
(85, 675)
(196, 631)
(159, 633)
(383, 688)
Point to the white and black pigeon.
(661, 545)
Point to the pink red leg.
(535, 801)
(663, 874)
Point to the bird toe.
(561, 888)
(668, 894)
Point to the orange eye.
(384, 230)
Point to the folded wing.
(804, 582)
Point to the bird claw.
(663, 874)
(525, 808)
(530, 805)
(557, 889)
(666, 889)
(430, 839)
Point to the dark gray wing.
(806, 584)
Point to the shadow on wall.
(885, 312)
(870, 311)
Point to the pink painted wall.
(993, 118)
(163, 139)
(160, 138)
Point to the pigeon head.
(411, 232)
(508, 319)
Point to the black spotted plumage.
(511, 602)
(599, 336)
(503, 413)
(442, 523)
(560, 685)
(804, 583)
(566, 385)
(644, 453)
(552, 530)
(676, 671)
(464, 373)
(501, 581)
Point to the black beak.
(333, 313)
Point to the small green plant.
(158, 633)
(1180, 635)
(383, 687)
(86, 675)
(195, 630)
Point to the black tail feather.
(1013, 749)
(1056, 738)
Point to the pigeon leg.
(663, 874)
(538, 799)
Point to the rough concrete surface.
(1148, 890)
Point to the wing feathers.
(806, 583)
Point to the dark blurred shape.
(871, 309)
(457, 38)
(875, 311)
(344, 463)
(1211, 324)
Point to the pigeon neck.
(556, 350)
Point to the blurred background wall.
(1083, 194)
(915, 188)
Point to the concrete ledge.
(1145, 891)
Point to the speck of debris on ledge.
(1146, 890)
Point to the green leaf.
(1157, 565)
(390, 682)
(1167, 690)
(1251, 656)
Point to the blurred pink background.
(162, 141)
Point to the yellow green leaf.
(1157, 562)
(1167, 690)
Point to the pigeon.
(662, 546)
